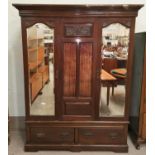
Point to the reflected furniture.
(76, 124)
(39, 69)
(108, 81)
(137, 126)
(108, 64)
(120, 74)
(111, 63)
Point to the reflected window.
(40, 42)
(114, 56)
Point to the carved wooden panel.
(69, 69)
(125, 22)
(72, 30)
(29, 23)
(86, 51)
(77, 108)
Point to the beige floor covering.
(116, 102)
(44, 104)
(17, 145)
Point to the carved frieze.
(82, 30)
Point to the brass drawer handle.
(114, 135)
(65, 134)
(40, 135)
(88, 134)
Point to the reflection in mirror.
(40, 40)
(114, 55)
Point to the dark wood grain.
(69, 69)
(77, 108)
(105, 135)
(52, 135)
(86, 54)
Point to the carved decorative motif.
(72, 30)
(126, 23)
(30, 23)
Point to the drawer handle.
(88, 134)
(114, 135)
(40, 135)
(65, 134)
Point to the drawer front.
(102, 135)
(52, 135)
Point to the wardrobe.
(73, 107)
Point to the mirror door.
(114, 57)
(40, 50)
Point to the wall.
(16, 79)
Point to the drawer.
(102, 135)
(51, 135)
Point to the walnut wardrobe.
(68, 99)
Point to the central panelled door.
(78, 70)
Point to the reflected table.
(108, 81)
(120, 74)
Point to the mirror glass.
(40, 48)
(114, 56)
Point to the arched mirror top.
(30, 23)
(125, 23)
(116, 34)
(39, 30)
